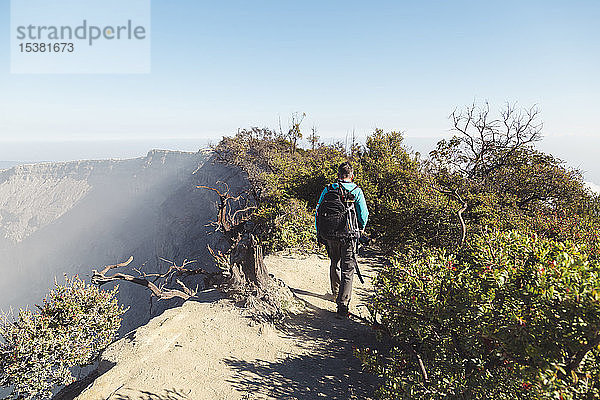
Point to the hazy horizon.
(348, 65)
(577, 152)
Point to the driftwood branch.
(149, 281)
(224, 194)
(220, 259)
(123, 264)
(241, 267)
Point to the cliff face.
(68, 218)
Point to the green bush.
(288, 225)
(285, 184)
(512, 316)
(405, 209)
(39, 349)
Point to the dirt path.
(208, 349)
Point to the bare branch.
(123, 264)
(160, 291)
(228, 222)
(455, 195)
(246, 209)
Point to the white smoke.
(594, 188)
(67, 218)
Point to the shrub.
(285, 184)
(513, 316)
(291, 226)
(38, 349)
(405, 209)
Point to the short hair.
(345, 170)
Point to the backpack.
(336, 215)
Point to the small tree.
(39, 349)
(483, 143)
(491, 169)
(313, 138)
(294, 133)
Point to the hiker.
(341, 217)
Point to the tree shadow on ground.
(171, 394)
(295, 378)
(328, 367)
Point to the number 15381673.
(47, 47)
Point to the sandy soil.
(207, 349)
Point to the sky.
(349, 65)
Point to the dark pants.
(341, 271)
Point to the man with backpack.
(341, 217)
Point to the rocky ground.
(208, 348)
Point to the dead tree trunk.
(244, 269)
(246, 264)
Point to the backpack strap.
(343, 188)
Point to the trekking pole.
(360, 277)
(355, 236)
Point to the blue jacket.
(362, 214)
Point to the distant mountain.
(71, 217)
(10, 164)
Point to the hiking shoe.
(342, 312)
